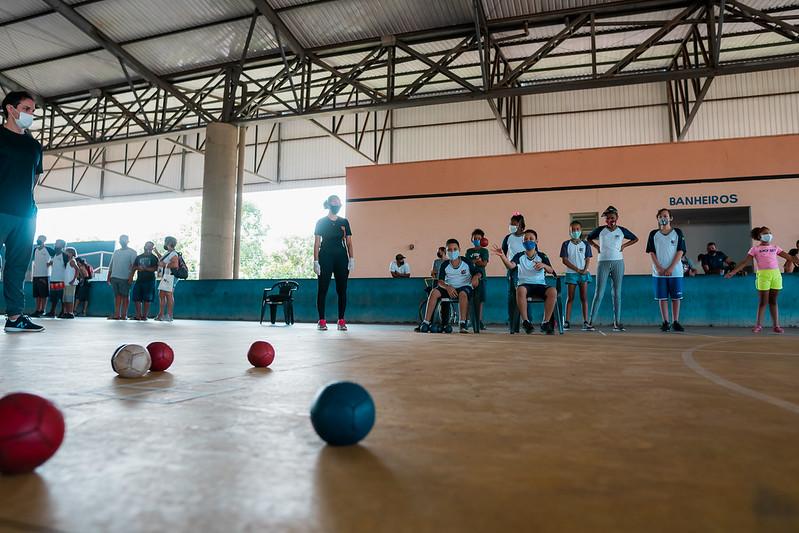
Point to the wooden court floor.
(589, 432)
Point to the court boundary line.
(691, 362)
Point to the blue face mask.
(575, 234)
(335, 209)
(529, 245)
(476, 243)
(453, 255)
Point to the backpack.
(89, 270)
(182, 271)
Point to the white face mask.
(766, 237)
(512, 229)
(25, 120)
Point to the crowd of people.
(462, 276)
(62, 278)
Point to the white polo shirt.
(610, 242)
(665, 248)
(404, 269)
(457, 277)
(576, 253)
(513, 244)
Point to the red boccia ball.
(484, 242)
(31, 430)
(261, 354)
(161, 355)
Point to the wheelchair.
(446, 315)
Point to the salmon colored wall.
(382, 228)
(758, 156)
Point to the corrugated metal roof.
(499, 9)
(13, 9)
(123, 20)
(202, 47)
(40, 38)
(352, 20)
(96, 69)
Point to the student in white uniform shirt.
(576, 256)
(399, 268)
(457, 279)
(610, 241)
(512, 244)
(666, 247)
(530, 268)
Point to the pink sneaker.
(322, 325)
(778, 329)
(757, 329)
(342, 326)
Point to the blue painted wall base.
(709, 301)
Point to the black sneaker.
(618, 327)
(587, 326)
(528, 327)
(49, 315)
(22, 324)
(68, 316)
(665, 326)
(482, 326)
(424, 327)
(566, 326)
(548, 328)
(37, 314)
(676, 326)
(464, 329)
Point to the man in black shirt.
(715, 261)
(145, 264)
(20, 165)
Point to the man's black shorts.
(535, 291)
(41, 287)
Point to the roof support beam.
(103, 40)
(279, 27)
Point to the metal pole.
(239, 202)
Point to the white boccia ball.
(131, 361)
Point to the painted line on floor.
(690, 362)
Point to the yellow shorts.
(769, 279)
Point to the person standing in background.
(513, 244)
(71, 279)
(333, 256)
(20, 166)
(119, 277)
(166, 287)
(41, 274)
(144, 266)
(612, 240)
(58, 264)
(438, 262)
(479, 256)
(666, 248)
(83, 291)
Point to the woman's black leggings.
(333, 265)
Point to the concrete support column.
(219, 201)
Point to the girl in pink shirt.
(769, 277)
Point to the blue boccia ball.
(343, 413)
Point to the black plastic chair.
(557, 313)
(281, 293)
